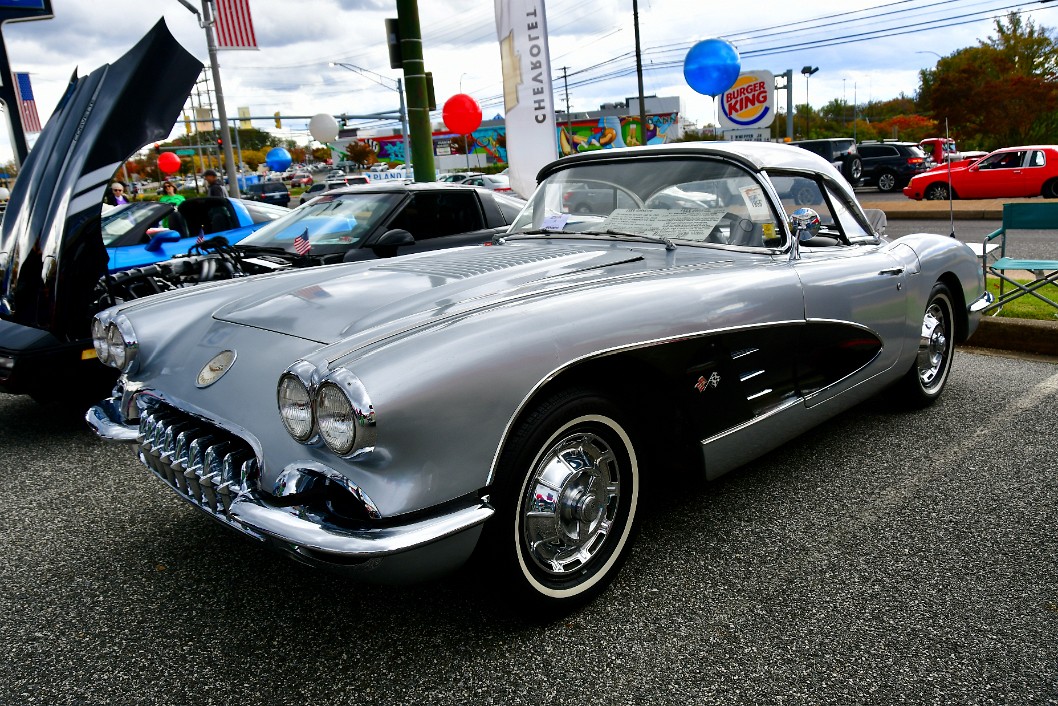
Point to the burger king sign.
(750, 103)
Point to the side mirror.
(387, 245)
(160, 237)
(804, 224)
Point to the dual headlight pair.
(334, 408)
(115, 342)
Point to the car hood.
(51, 249)
(329, 304)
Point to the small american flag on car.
(302, 244)
(201, 237)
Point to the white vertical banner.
(521, 27)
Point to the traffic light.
(279, 123)
(396, 59)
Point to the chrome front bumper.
(216, 471)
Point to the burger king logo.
(748, 103)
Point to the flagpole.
(208, 18)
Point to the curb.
(969, 210)
(1021, 335)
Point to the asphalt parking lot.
(887, 557)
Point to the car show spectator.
(116, 196)
(215, 187)
(169, 194)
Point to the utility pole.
(569, 116)
(639, 75)
(415, 85)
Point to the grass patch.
(1026, 306)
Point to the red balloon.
(462, 114)
(168, 162)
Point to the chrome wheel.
(925, 381)
(567, 497)
(570, 504)
(933, 345)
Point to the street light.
(393, 85)
(807, 72)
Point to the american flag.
(27, 107)
(201, 237)
(234, 28)
(302, 244)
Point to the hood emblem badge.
(215, 368)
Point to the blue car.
(146, 232)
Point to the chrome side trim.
(285, 525)
(614, 350)
(755, 420)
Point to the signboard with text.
(750, 103)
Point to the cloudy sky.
(867, 49)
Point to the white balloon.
(323, 128)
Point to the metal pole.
(789, 104)
(211, 45)
(404, 126)
(639, 75)
(415, 83)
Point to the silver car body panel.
(454, 346)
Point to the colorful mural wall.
(580, 136)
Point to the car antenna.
(951, 205)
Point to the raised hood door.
(51, 249)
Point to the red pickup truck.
(942, 149)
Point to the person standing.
(215, 187)
(169, 195)
(116, 195)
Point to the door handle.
(892, 271)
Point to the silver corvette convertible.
(651, 309)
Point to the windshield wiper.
(538, 231)
(669, 245)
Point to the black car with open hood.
(51, 248)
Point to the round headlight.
(116, 345)
(336, 418)
(99, 340)
(295, 407)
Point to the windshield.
(119, 220)
(700, 200)
(332, 219)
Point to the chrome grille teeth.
(169, 445)
(206, 465)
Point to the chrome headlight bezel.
(99, 340)
(115, 342)
(356, 433)
(360, 424)
(288, 380)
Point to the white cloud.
(297, 40)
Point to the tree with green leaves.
(1000, 93)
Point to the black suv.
(268, 191)
(890, 165)
(839, 151)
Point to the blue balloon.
(278, 159)
(712, 66)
